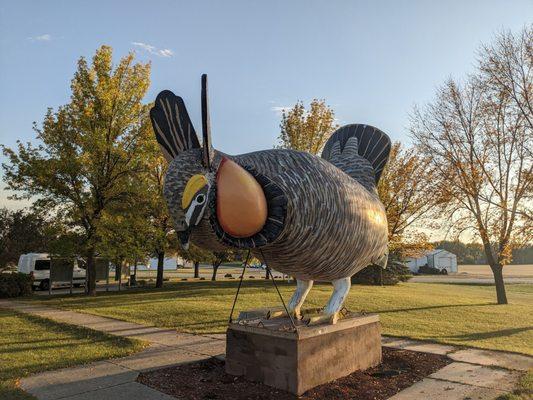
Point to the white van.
(38, 264)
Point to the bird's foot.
(298, 314)
(276, 313)
(323, 318)
(307, 313)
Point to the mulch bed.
(207, 380)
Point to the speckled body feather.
(325, 221)
(334, 226)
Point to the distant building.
(439, 258)
(170, 263)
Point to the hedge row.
(375, 275)
(15, 284)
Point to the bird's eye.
(200, 199)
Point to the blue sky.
(371, 60)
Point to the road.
(149, 276)
(481, 274)
(468, 274)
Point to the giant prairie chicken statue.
(310, 217)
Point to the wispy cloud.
(154, 50)
(41, 38)
(280, 109)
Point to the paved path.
(114, 379)
(475, 374)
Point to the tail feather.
(371, 144)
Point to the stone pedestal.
(269, 351)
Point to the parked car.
(38, 265)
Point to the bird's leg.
(341, 288)
(298, 298)
(296, 301)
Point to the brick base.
(299, 361)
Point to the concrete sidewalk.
(476, 374)
(114, 379)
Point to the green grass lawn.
(524, 391)
(31, 344)
(447, 313)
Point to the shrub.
(427, 270)
(228, 276)
(374, 275)
(15, 284)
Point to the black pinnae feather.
(172, 125)
(206, 125)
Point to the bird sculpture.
(313, 218)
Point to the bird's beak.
(184, 239)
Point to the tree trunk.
(196, 269)
(91, 272)
(133, 278)
(215, 269)
(118, 269)
(160, 265)
(497, 271)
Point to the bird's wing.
(361, 151)
(172, 126)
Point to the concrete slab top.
(282, 327)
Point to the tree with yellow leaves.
(307, 130)
(89, 150)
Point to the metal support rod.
(279, 293)
(239, 287)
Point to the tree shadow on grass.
(30, 347)
(33, 341)
(397, 310)
(489, 335)
(8, 390)
(211, 323)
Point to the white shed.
(169, 264)
(439, 258)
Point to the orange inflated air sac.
(241, 202)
